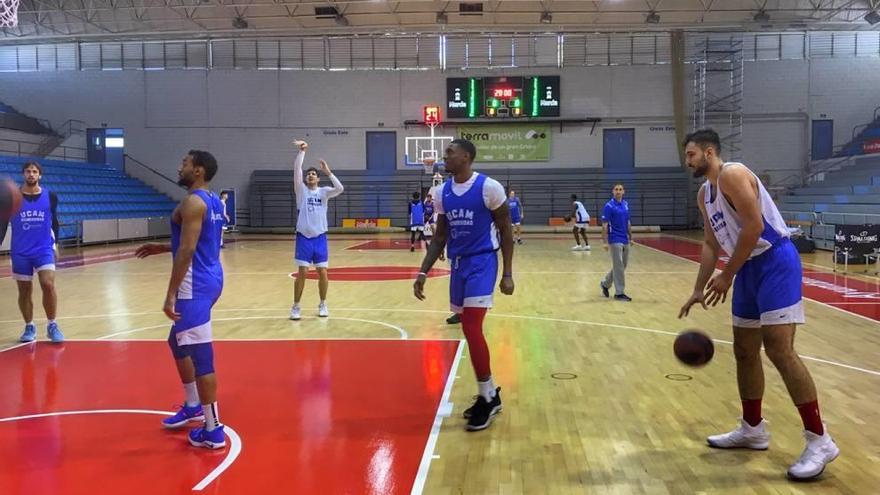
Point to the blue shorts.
(311, 251)
(515, 219)
(24, 266)
(194, 325)
(472, 281)
(767, 290)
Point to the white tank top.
(727, 225)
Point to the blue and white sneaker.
(214, 439)
(29, 334)
(184, 415)
(54, 333)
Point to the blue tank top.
(205, 276)
(429, 210)
(513, 204)
(416, 213)
(32, 227)
(471, 227)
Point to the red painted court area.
(312, 416)
(837, 290)
(375, 273)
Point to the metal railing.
(28, 148)
(141, 171)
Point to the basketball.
(567, 218)
(10, 198)
(693, 348)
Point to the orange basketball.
(10, 198)
(693, 348)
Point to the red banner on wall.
(871, 146)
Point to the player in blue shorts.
(739, 218)
(471, 211)
(34, 231)
(311, 228)
(516, 215)
(416, 221)
(195, 285)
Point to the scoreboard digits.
(502, 97)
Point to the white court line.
(234, 439)
(827, 305)
(494, 315)
(16, 346)
(444, 409)
(403, 334)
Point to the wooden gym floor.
(594, 400)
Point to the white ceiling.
(121, 19)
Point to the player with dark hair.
(34, 234)
(195, 285)
(616, 234)
(472, 209)
(740, 218)
(517, 214)
(416, 220)
(581, 220)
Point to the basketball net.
(428, 163)
(8, 13)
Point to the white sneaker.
(586, 248)
(820, 450)
(322, 310)
(744, 437)
(576, 248)
(294, 312)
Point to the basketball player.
(581, 220)
(429, 217)
(516, 215)
(416, 221)
(34, 231)
(739, 217)
(195, 285)
(471, 209)
(311, 228)
(223, 196)
(616, 234)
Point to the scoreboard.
(502, 97)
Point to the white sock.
(212, 416)
(296, 305)
(29, 323)
(487, 389)
(323, 302)
(191, 392)
(50, 322)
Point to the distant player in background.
(740, 218)
(616, 234)
(34, 233)
(195, 285)
(226, 221)
(472, 211)
(311, 228)
(581, 221)
(429, 217)
(416, 221)
(517, 214)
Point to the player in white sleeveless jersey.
(311, 228)
(739, 218)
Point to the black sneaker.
(454, 319)
(519, 241)
(604, 290)
(467, 413)
(623, 297)
(412, 249)
(482, 412)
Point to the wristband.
(423, 274)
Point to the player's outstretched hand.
(696, 297)
(716, 289)
(300, 144)
(506, 285)
(149, 250)
(325, 168)
(419, 288)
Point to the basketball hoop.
(8, 13)
(428, 163)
